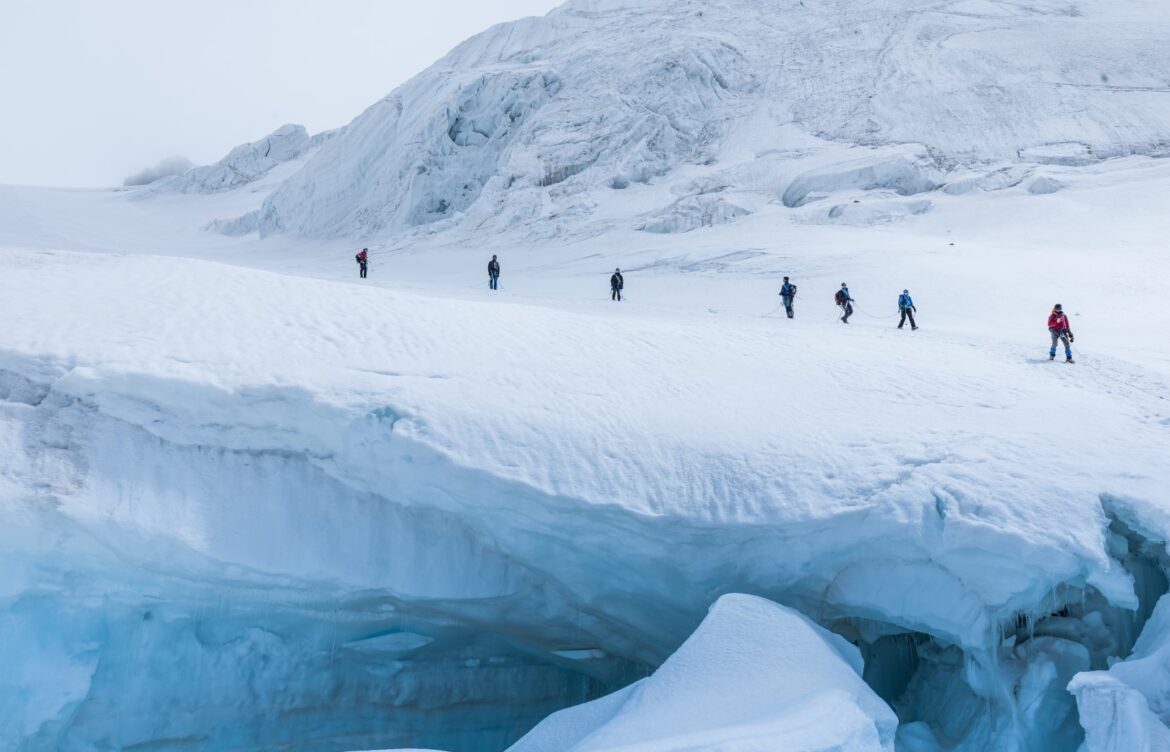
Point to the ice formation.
(243, 164)
(752, 675)
(515, 125)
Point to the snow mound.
(752, 673)
(962, 182)
(905, 172)
(522, 121)
(243, 164)
(869, 212)
(245, 224)
(693, 212)
(1044, 185)
(1072, 154)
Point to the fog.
(94, 92)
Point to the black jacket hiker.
(494, 273)
(616, 283)
(845, 300)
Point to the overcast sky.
(91, 92)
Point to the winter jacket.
(494, 268)
(616, 281)
(906, 303)
(362, 258)
(1058, 323)
(788, 290)
(843, 296)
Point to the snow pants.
(907, 313)
(615, 293)
(848, 310)
(1060, 337)
(494, 281)
(788, 306)
(362, 268)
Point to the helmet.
(905, 292)
(1058, 309)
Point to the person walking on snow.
(363, 260)
(787, 295)
(494, 273)
(846, 301)
(906, 306)
(1060, 330)
(616, 283)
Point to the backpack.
(840, 298)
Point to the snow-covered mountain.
(542, 124)
(249, 501)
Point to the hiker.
(787, 295)
(1060, 330)
(494, 273)
(906, 306)
(363, 261)
(846, 301)
(616, 283)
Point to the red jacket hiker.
(363, 260)
(1061, 332)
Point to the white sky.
(92, 91)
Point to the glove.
(1071, 338)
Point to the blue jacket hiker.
(787, 295)
(906, 306)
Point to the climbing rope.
(880, 318)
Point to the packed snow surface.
(250, 501)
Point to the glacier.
(251, 502)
